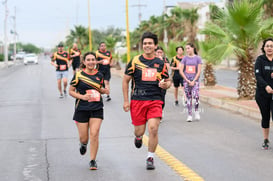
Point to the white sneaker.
(189, 118)
(197, 116)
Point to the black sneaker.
(138, 142)
(108, 98)
(265, 144)
(93, 165)
(150, 164)
(83, 148)
(65, 93)
(176, 103)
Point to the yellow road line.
(185, 172)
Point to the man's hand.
(126, 106)
(269, 89)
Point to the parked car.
(30, 58)
(20, 55)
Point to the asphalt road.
(39, 140)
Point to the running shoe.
(138, 142)
(65, 93)
(176, 103)
(93, 165)
(83, 148)
(189, 118)
(108, 98)
(197, 116)
(265, 144)
(150, 163)
(61, 96)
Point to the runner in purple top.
(190, 69)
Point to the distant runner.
(60, 60)
(75, 55)
(190, 69)
(104, 58)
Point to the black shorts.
(75, 65)
(84, 116)
(106, 74)
(177, 82)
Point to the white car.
(30, 58)
(20, 55)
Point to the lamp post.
(127, 33)
(15, 34)
(5, 33)
(89, 27)
(165, 39)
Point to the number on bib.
(62, 67)
(190, 69)
(149, 74)
(95, 95)
(105, 62)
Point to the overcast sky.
(46, 22)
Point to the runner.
(104, 58)
(177, 78)
(86, 87)
(190, 69)
(60, 60)
(159, 52)
(264, 91)
(150, 76)
(75, 54)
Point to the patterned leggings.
(192, 93)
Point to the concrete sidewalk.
(222, 97)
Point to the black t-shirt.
(61, 59)
(91, 83)
(106, 57)
(175, 63)
(76, 59)
(146, 74)
(264, 75)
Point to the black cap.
(60, 45)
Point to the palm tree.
(241, 30)
(209, 73)
(79, 36)
(190, 17)
(174, 22)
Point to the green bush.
(1, 57)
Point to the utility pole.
(139, 17)
(5, 33)
(89, 27)
(127, 33)
(165, 38)
(15, 34)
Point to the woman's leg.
(94, 126)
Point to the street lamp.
(89, 27)
(127, 33)
(5, 33)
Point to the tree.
(79, 35)
(209, 73)
(241, 30)
(190, 17)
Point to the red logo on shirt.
(156, 65)
(97, 78)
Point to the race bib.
(95, 95)
(62, 67)
(190, 69)
(105, 62)
(149, 74)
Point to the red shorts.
(141, 111)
